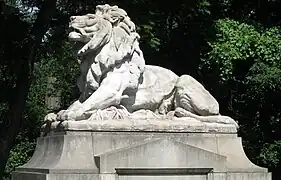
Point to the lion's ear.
(119, 36)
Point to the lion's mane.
(108, 39)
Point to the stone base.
(101, 155)
(143, 125)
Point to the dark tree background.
(232, 47)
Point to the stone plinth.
(67, 153)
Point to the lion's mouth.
(76, 30)
(74, 33)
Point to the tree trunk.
(9, 130)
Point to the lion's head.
(83, 28)
(95, 30)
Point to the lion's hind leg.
(181, 113)
(194, 101)
(193, 97)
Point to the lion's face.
(91, 32)
(83, 27)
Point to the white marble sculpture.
(115, 83)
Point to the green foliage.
(265, 78)
(35, 110)
(271, 154)
(63, 66)
(148, 36)
(245, 61)
(235, 42)
(268, 49)
(245, 54)
(19, 155)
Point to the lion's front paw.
(65, 115)
(59, 114)
(69, 115)
(51, 117)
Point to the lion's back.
(157, 77)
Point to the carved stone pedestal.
(153, 153)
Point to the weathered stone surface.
(115, 82)
(143, 125)
(137, 155)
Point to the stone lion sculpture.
(115, 82)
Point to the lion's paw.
(65, 115)
(70, 115)
(51, 117)
(228, 120)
